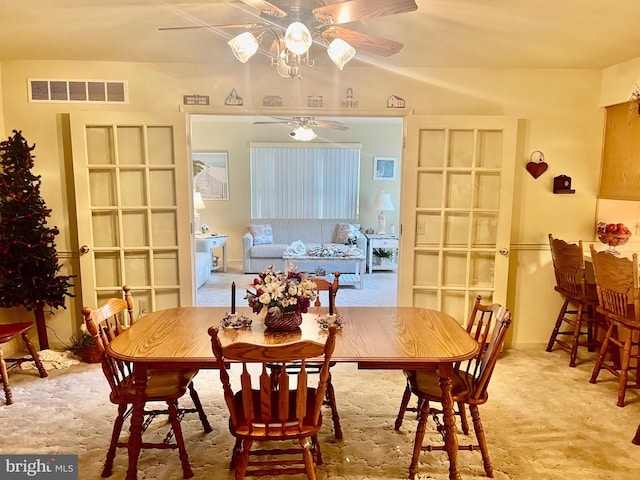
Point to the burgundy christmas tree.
(29, 268)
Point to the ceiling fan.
(295, 25)
(302, 126)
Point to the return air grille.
(78, 91)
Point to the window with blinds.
(305, 181)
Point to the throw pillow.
(262, 234)
(347, 233)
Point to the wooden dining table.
(403, 338)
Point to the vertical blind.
(304, 181)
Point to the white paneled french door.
(132, 205)
(457, 194)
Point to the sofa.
(263, 246)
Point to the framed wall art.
(211, 175)
(384, 168)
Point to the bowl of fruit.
(613, 234)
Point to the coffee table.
(356, 278)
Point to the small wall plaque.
(195, 99)
(562, 184)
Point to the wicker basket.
(91, 354)
(286, 323)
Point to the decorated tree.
(29, 268)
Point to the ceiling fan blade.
(364, 42)
(217, 27)
(354, 10)
(266, 8)
(330, 124)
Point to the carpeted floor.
(543, 421)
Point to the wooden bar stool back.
(619, 300)
(8, 332)
(578, 309)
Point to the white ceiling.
(581, 34)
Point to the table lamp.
(198, 204)
(382, 202)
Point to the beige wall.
(560, 112)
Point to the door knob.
(84, 249)
(504, 251)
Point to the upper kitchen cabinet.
(620, 175)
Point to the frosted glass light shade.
(198, 204)
(303, 134)
(340, 52)
(244, 46)
(297, 38)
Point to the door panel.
(457, 191)
(132, 203)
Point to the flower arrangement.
(280, 293)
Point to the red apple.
(611, 227)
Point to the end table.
(385, 241)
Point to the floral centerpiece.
(284, 296)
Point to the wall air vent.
(78, 91)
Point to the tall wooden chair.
(8, 332)
(261, 412)
(619, 297)
(104, 324)
(469, 386)
(580, 300)
(478, 326)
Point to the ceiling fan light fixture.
(297, 38)
(340, 52)
(303, 134)
(244, 46)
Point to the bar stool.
(580, 299)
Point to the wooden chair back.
(479, 325)
(617, 285)
(569, 267)
(324, 285)
(104, 324)
(265, 410)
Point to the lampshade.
(244, 46)
(383, 202)
(303, 134)
(297, 38)
(198, 204)
(340, 52)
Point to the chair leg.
(331, 397)
(636, 439)
(5, 379)
(624, 369)
(482, 441)
(576, 337)
(556, 328)
(464, 423)
(34, 354)
(417, 443)
(177, 430)
(309, 466)
(316, 450)
(406, 397)
(237, 450)
(115, 435)
(243, 461)
(603, 352)
(201, 413)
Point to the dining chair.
(636, 438)
(469, 387)
(8, 332)
(580, 299)
(322, 284)
(619, 301)
(478, 326)
(104, 324)
(260, 412)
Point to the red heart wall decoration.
(537, 168)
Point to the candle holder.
(235, 320)
(325, 321)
